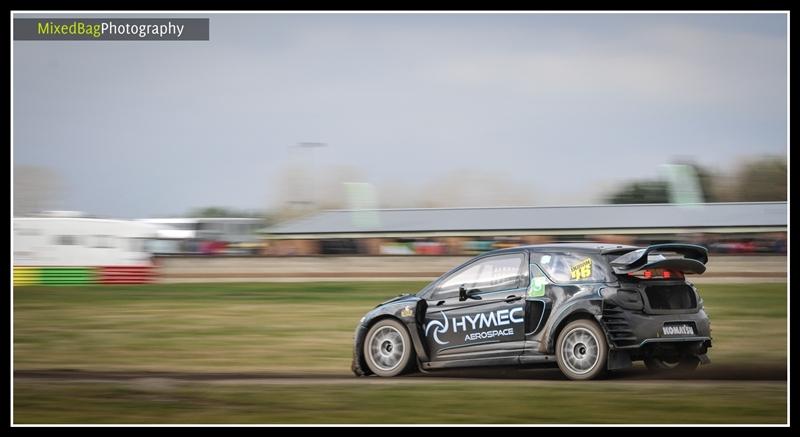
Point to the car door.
(489, 325)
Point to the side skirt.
(537, 359)
(472, 362)
(486, 362)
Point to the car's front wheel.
(387, 348)
(581, 350)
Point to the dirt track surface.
(177, 269)
(532, 375)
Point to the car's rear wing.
(687, 258)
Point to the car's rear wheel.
(387, 348)
(672, 366)
(581, 350)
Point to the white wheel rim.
(386, 348)
(670, 365)
(580, 351)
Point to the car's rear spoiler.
(690, 259)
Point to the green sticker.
(537, 287)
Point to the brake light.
(657, 274)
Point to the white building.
(78, 241)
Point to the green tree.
(650, 191)
(758, 180)
(222, 212)
(707, 179)
(762, 180)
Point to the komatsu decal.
(677, 330)
(476, 322)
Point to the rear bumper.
(641, 334)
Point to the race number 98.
(582, 270)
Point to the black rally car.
(587, 307)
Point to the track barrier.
(83, 275)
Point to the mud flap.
(704, 359)
(619, 360)
(418, 337)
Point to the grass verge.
(405, 402)
(286, 327)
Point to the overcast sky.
(566, 104)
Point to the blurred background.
(386, 147)
(281, 116)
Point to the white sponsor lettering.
(487, 320)
(678, 330)
(488, 334)
(515, 319)
(502, 317)
(473, 322)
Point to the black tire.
(673, 367)
(381, 348)
(582, 350)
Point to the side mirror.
(464, 294)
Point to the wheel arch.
(578, 314)
(412, 331)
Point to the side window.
(136, 244)
(496, 273)
(572, 267)
(102, 242)
(67, 240)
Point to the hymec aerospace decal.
(474, 326)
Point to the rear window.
(572, 267)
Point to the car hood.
(402, 297)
